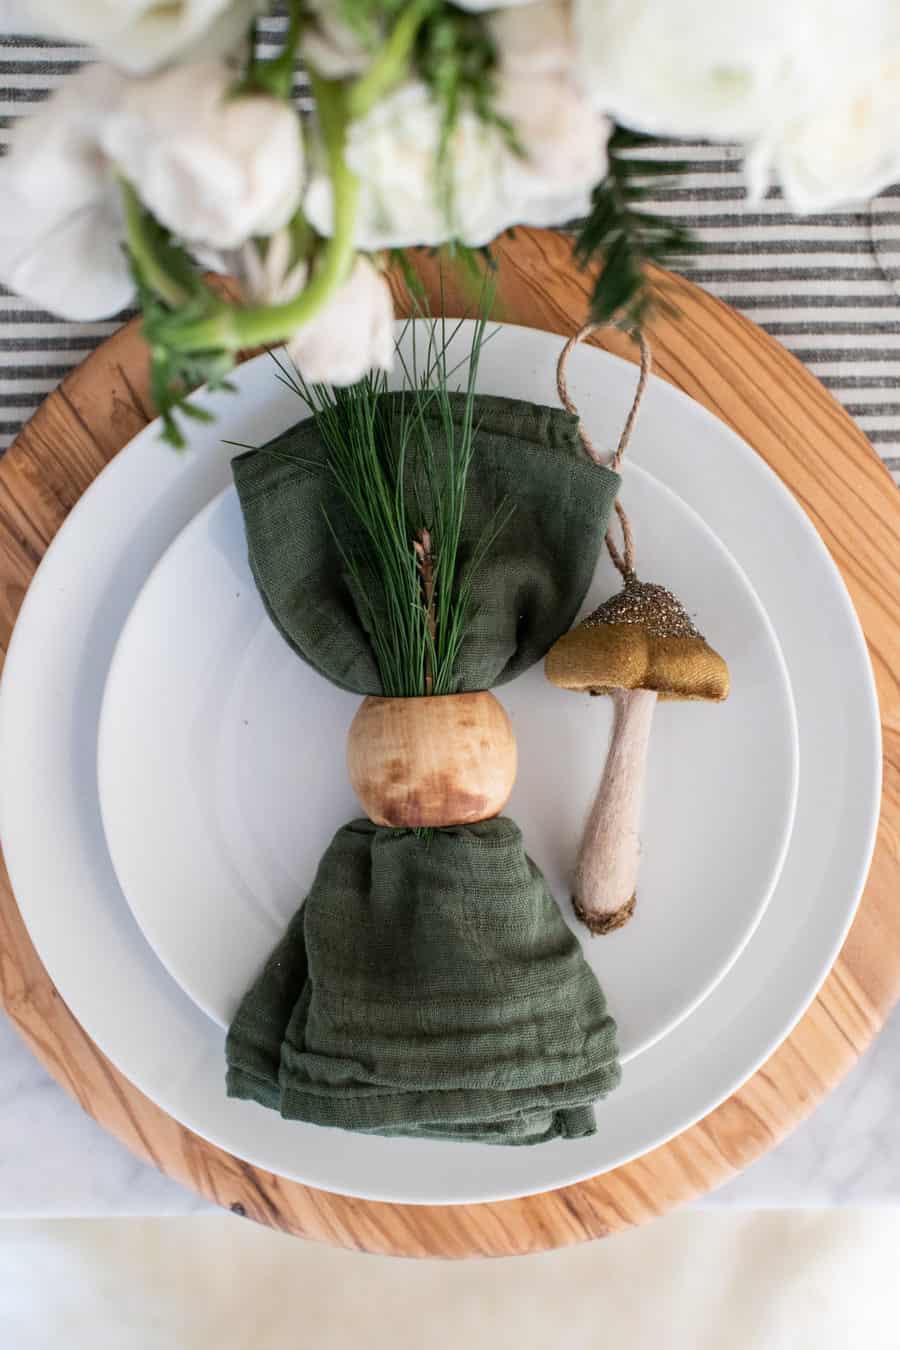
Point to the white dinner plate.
(222, 774)
(93, 949)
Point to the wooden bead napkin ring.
(432, 761)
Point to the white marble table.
(55, 1161)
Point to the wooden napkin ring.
(445, 760)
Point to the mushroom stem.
(607, 866)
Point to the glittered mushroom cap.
(641, 638)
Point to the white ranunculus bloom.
(536, 39)
(214, 169)
(61, 226)
(563, 137)
(352, 334)
(696, 67)
(55, 151)
(843, 150)
(141, 35)
(811, 87)
(268, 275)
(394, 153)
(73, 264)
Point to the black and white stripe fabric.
(815, 283)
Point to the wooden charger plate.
(750, 382)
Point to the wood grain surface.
(416, 762)
(751, 383)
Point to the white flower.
(403, 201)
(536, 39)
(695, 67)
(268, 275)
(844, 150)
(812, 87)
(563, 138)
(331, 46)
(214, 169)
(394, 152)
(352, 334)
(61, 227)
(141, 35)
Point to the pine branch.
(402, 472)
(626, 237)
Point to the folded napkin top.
(429, 985)
(529, 586)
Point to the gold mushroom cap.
(641, 638)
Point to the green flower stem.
(233, 327)
(142, 250)
(392, 61)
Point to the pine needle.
(402, 468)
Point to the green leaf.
(624, 237)
(174, 375)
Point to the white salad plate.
(222, 774)
(94, 951)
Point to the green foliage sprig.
(624, 236)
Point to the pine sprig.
(625, 237)
(441, 496)
(368, 464)
(402, 472)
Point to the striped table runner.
(813, 282)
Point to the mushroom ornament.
(639, 647)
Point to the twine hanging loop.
(623, 560)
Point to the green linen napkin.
(429, 985)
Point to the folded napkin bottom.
(429, 987)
